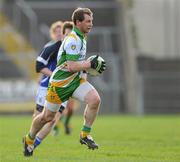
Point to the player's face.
(67, 31)
(86, 25)
(57, 34)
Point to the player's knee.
(36, 113)
(95, 101)
(43, 120)
(47, 118)
(52, 122)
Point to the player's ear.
(78, 22)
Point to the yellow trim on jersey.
(52, 96)
(73, 35)
(82, 80)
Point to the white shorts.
(41, 97)
(79, 94)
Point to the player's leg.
(87, 93)
(38, 122)
(46, 129)
(52, 104)
(38, 110)
(67, 115)
(40, 99)
(56, 126)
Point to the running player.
(66, 82)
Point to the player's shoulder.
(72, 37)
(52, 44)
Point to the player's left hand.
(102, 67)
(99, 66)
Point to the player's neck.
(79, 31)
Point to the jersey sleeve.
(72, 49)
(44, 56)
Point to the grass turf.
(121, 139)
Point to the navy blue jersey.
(47, 59)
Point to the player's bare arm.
(46, 71)
(75, 66)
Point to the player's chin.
(88, 30)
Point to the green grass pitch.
(121, 139)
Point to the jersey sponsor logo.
(73, 47)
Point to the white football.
(92, 71)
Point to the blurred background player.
(45, 64)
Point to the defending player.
(66, 82)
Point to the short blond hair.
(57, 24)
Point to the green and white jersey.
(73, 48)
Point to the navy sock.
(37, 141)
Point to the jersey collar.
(78, 32)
